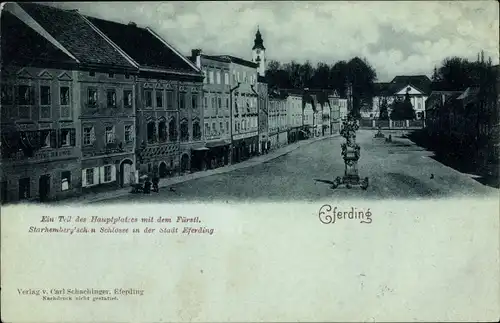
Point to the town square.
(98, 108)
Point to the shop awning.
(217, 143)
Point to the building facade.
(334, 101)
(294, 115)
(263, 107)
(168, 100)
(308, 114)
(277, 119)
(216, 108)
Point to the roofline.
(106, 38)
(159, 70)
(32, 21)
(174, 50)
(416, 88)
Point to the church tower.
(259, 53)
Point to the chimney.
(196, 57)
(132, 24)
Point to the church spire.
(258, 42)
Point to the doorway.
(185, 163)
(126, 172)
(44, 187)
(163, 170)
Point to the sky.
(396, 38)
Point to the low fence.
(392, 124)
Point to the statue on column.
(351, 154)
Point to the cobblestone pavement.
(125, 192)
(304, 172)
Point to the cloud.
(396, 37)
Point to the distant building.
(308, 104)
(263, 107)
(334, 100)
(259, 54)
(417, 86)
(294, 114)
(278, 135)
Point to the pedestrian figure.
(147, 187)
(156, 180)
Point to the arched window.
(184, 131)
(196, 130)
(151, 129)
(172, 130)
(162, 130)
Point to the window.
(221, 127)
(111, 75)
(182, 100)
(227, 103)
(194, 102)
(238, 76)
(226, 78)
(111, 98)
(45, 139)
(235, 78)
(127, 76)
(162, 129)
(214, 105)
(184, 131)
(88, 136)
(89, 176)
(170, 99)
(151, 131)
(227, 126)
(245, 77)
(25, 94)
(214, 129)
(64, 102)
(110, 134)
(196, 130)
(148, 97)
(92, 97)
(219, 101)
(128, 133)
(65, 180)
(218, 77)
(127, 98)
(91, 74)
(107, 173)
(159, 99)
(24, 188)
(206, 103)
(172, 130)
(7, 94)
(207, 129)
(67, 137)
(205, 76)
(45, 95)
(211, 77)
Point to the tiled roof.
(142, 46)
(421, 82)
(21, 44)
(238, 60)
(76, 35)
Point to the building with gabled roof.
(71, 110)
(169, 99)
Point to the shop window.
(65, 180)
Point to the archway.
(127, 175)
(184, 163)
(163, 170)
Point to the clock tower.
(259, 53)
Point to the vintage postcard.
(250, 161)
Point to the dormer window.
(408, 89)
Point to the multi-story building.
(81, 109)
(168, 98)
(244, 114)
(417, 86)
(343, 110)
(308, 103)
(277, 119)
(216, 107)
(294, 114)
(263, 106)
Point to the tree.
(321, 77)
(306, 72)
(383, 110)
(338, 77)
(403, 109)
(361, 75)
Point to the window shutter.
(84, 178)
(101, 174)
(97, 171)
(113, 173)
(72, 137)
(53, 139)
